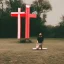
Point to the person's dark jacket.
(40, 39)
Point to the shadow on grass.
(25, 41)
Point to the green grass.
(12, 52)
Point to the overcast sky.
(54, 16)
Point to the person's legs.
(41, 46)
(37, 46)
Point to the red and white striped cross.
(27, 15)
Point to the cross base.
(25, 41)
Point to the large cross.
(18, 14)
(27, 22)
(27, 15)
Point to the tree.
(13, 5)
(1, 14)
(61, 27)
(1, 8)
(50, 32)
(62, 21)
(40, 6)
(9, 24)
(59, 30)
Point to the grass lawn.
(12, 52)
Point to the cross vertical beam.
(19, 24)
(27, 22)
(18, 14)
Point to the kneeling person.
(40, 39)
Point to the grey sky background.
(54, 16)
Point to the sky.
(54, 16)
